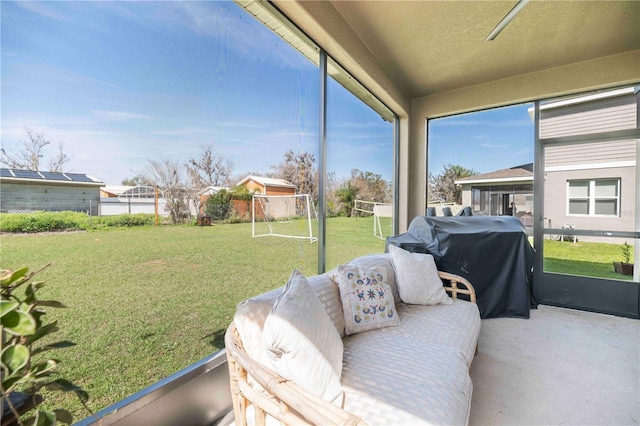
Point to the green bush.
(43, 222)
(68, 221)
(218, 205)
(128, 220)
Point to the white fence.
(116, 206)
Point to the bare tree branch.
(168, 176)
(56, 163)
(209, 169)
(31, 154)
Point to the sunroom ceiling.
(429, 47)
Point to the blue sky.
(483, 141)
(123, 82)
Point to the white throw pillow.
(417, 278)
(367, 300)
(302, 343)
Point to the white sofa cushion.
(301, 342)
(367, 300)
(414, 384)
(456, 326)
(417, 278)
(252, 313)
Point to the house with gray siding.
(25, 191)
(590, 176)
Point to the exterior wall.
(279, 190)
(590, 160)
(556, 208)
(252, 185)
(24, 198)
(595, 116)
(562, 155)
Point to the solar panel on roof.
(5, 173)
(54, 176)
(27, 174)
(77, 177)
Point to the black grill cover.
(492, 252)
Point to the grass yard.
(587, 259)
(147, 302)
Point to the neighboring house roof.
(522, 173)
(267, 181)
(116, 189)
(209, 190)
(35, 176)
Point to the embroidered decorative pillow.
(302, 343)
(367, 300)
(417, 278)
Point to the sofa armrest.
(455, 280)
(280, 398)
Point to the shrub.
(129, 220)
(43, 222)
(218, 205)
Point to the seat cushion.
(456, 326)
(391, 378)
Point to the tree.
(442, 187)
(30, 155)
(209, 169)
(138, 180)
(346, 194)
(299, 169)
(371, 186)
(168, 176)
(361, 185)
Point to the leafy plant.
(218, 205)
(24, 369)
(625, 250)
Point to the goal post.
(286, 216)
(382, 216)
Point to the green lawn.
(587, 259)
(147, 302)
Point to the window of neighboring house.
(595, 197)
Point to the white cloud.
(119, 116)
(46, 9)
(490, 145)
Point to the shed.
(25, 191)
(268, 186)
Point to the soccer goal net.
(382, 214)
(287, 216)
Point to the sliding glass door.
(586, 202)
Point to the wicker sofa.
(415, 372)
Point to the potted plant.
(24, 367)
(625, 267)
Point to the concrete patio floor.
(560, 367)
